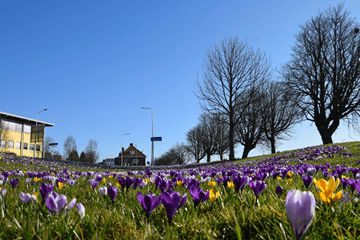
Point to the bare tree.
(221, 136)
(229, 71)
(194, 146)
(324, 72)
(47, 147)
(248, 130)
(175, 155)
(69, 145)
(91, 151)
(279, 113)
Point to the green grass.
(232, 216)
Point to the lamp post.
(152, 142)
(36, 129)
(122, 152)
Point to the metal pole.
(36, 129)
(152, 142)
(122, 153)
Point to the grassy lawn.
(233, 215)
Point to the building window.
(37, 147)
(3, 143)
(27, 128)
(25, 146)
(135, 161)
(132, 152)
(10, 144)
(31, 147)
(18, 145)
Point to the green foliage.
(74, 156)
(83, 157)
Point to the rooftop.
(23, 119)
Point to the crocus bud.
(300, 209)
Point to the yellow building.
(18, 135)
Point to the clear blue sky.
(94, 64)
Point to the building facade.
(109, 161)
(18, 135)
(132, 157)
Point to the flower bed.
(306, 193)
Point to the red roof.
(137, 153)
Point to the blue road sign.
(156, 139)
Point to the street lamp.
(122, 152)
(152, 142)
(37, 129)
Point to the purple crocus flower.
(45, 190)
(300, 209)
(307, 180)
(93, 183)
(198, 195)
(71, 182)
(80, 209)
(112, 191)
(14, 182)
(148, 202)
(240, 182)
(103, 191)
(164, 184)
(257, 187)
(279, 190)
(3, 192)
(172, 201)
(55, 203)
(354, 184)
(26, 198)
(344, 182)
(193, 182)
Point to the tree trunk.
(208, 158)
(231, 138)
(272, 141)
(246, 152)
(327, 132)
(326, 137)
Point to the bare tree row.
(321, 83)
(90, 154)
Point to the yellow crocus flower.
(104, 180)
(24, 172)
(329, 197)
(231, 185)
(35, 194)
(213, 196)
(324, 185)
(343, 176)
(37, 179)
(290, 174)
(212, 184)
(289, 180)
(179, 183)
(327, 189)
(278, 178)
(61, 185)
(118, 185)
(111, 176)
